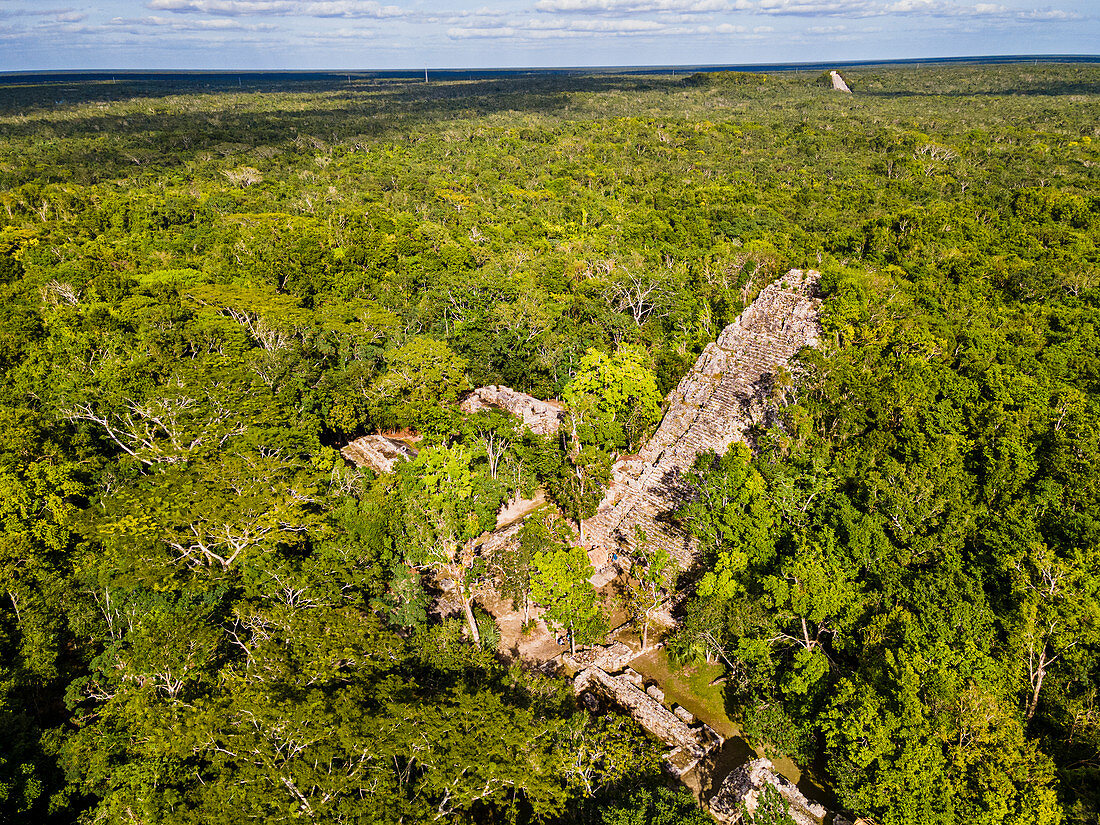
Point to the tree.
(652, 570)
(732, 516)
(579, 485)
(562, 585)
(422, 375)
(1060, 610)
(542, 531)
(771, 808)
(613, 398)
(447, 504)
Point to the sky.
(374, 34)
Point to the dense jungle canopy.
(207, 615)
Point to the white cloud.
(341, 38)
(854, 9)
(543, 29)
(287, 8)
(801, 8)
(1047, 14)
(66, 15)
(208, 24)
(640, 6)
(536, 28)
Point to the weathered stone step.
(713, 406)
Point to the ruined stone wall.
(378, 452)
(689, 744)
(745, 786)
(540, 417)
(714, 405)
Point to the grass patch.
(691, 687)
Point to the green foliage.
(655, 805)
(203, 295)
(721, 79)
(422, 374)
(613, 399)
(561, 584)
(652, 574)
(734, 517)
(771, 809)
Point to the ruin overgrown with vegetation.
(208, 613)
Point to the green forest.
(207, 615)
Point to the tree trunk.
(806, 635)
(645, 634)
(467, 604)
(572, 641)
(1037, 670)
(1037, 680)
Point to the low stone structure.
(745, 786)
(610, 659)
(540, 417)
(688, 744)
(684, 715)
(717, 403)
(378, 452)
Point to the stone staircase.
(715, 404)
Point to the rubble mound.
(610, 659)
(378, 452)
(540, 417)
(745, 786)
(716, 404)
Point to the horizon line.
(609, 68)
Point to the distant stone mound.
(838, 82)
(715, 404)
(833, 80)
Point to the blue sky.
(364, 34)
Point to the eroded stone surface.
(610, 659)
(745, 785)
(540, 417)
(715, 404)
(689, 744)
(378, 452)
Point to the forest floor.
(517, 509)
(537, 646)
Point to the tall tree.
(562, 585)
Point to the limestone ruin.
(610, 659)
(540, 417)
(378, 452)
(745, 786)
(838, 82)
(689, 744)
(715, 404)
